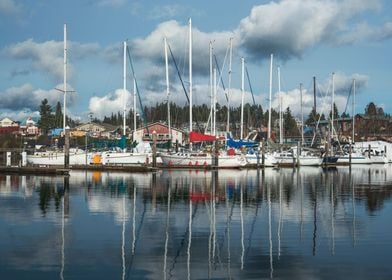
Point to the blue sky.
(351, 38)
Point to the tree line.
(254, 117)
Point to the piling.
(216, 154)
(154, 149)
(66, 147)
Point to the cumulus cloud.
(26, 97)
(110, 103)
(48, 56)
(290, 27)
(9, 7)
(152, 46)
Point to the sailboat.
(143, 154)
(57, 157)
(200, 159)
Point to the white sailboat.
(202, 159)
(143, 152)
(56, 157)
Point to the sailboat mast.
(229, 88)
(353, 111)
(302, 115)
(134, 105)
(270, 98)
(214, 105)
(167, 89)
(280, 110)
(211, 84)
(124, 86)
(242, 97)
(65, 77)
(190, 76)
(333, 103)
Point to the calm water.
(285, 224)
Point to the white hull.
(309, 161)
(202, 160)
(378, 159)
(355, 159)
(125, 158)
(57, 158)
(269, 160)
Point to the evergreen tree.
(58, 118)
(289, 123)
(46, 121)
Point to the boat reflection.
(195, 224)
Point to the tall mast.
(124, 85)
(333, 102)
(314, 94)
(280, 110)
(302, 115)
(167, 88)
(134, 105)
(190, 75)
(242, 97)
(228, 90)
(214, 105)
(211, 84)
(353, 111)
(270, 98)
(65, 77)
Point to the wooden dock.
(34, 170)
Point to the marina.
(305, 223)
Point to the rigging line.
(137, 89)
(220, 77)
(182, 243)
(182, 83)
(137, 238)
(179, 74)
(348, 98)
(250, 85)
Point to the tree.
(58, 117)
(289, 123)
(335, 112)
(371, 109)
(46, 121)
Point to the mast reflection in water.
(302, 223)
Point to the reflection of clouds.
(103, 204)
(93, 230)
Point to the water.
(285, 224)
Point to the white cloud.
(49, 56)
(9, 7)
(290, 27)
(108, 104)
(26, 97)
(152, 46)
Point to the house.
(6, 122)
(30, 129)
(99, 130)
(162, 132)
(9, 126)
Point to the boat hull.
(202, 160)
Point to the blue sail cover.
(237, 144)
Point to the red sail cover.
(200, 137)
